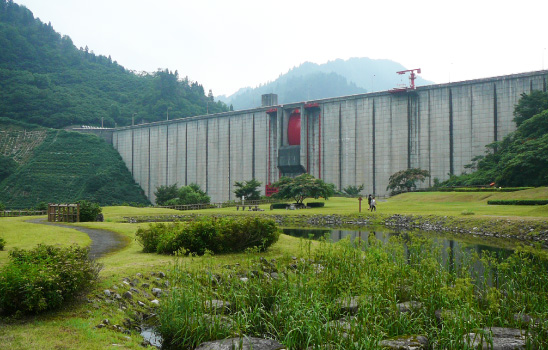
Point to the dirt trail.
(102, 241)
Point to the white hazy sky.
(226, 45)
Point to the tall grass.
(299, 301)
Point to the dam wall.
(350, 140)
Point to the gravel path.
(102, 241)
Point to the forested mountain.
(311, 81)
(46, 80)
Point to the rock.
(244, 279)
(161, 274)
(241, 343)
(406, 342)
(140, 303)
(502, 338)
(155, 302)
(139, 275)
(145, 285)
(134, 290)
(117, 296)
(127, 295)
(100, 325)
(274, 275)
(408, 306)
(106, 321)
(216, 306)
(348, 305)
(156, 292)
(107, 293)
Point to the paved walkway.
(102, 241)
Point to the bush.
(44, 277)
(225, 235)
(2, 243)
(315, 204)
(278, 205)
(519, 202)
(89, 210)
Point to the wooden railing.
(14, 213)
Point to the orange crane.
(412, 76)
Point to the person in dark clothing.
(369, 201)
(373, 204)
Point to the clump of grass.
(467, 212)
(2, 243)
(298, 302)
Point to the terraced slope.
(61, 166)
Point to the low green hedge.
(224, 235)
(519, 202)
(315, 204)
(479, 189)
(44, 278)
(278, 205)
(2, 243)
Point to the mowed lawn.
(419, 203)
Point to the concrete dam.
(350, 140)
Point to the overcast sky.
(229, 44)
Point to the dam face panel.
(352, 140)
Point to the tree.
(191, 194)
(302, 187)
(249, 189)
(353, 191)
(406, 179)
(165, 193)
(7, 167)
(530, 105)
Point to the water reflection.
(454, 253)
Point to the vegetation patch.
(44, 278)
(353, 296)
(519, 202)
(222, 235)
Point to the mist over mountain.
(311, 81)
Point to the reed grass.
(301, 306)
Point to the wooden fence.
(14, 213)
(253, 203)
(63, 212)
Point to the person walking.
(369, 201)
(373, 204)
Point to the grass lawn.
(73, 326)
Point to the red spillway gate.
(294, 128)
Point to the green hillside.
(66, 167)
(46, 80)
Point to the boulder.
(241, 343)
(502, 338)
(217, 306)
(408, 306)
(406, 342)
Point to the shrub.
(149, 237)
(44, 277)
(2, 243)
(89, 210)
(315, 204)
(2, 206)
(225, 235)
(519, 202)
(467, 212)
(278, 205)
